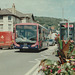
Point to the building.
(10, 16)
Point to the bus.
(64, 33)
(30, 36)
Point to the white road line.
(31, 70)
(35, 68)
(33, 61)
(48, 53)
(3, 51)
(36, 72)
(45, 57)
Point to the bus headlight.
(33, 45)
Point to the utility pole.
(68, 28)
(63, 13)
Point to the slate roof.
(20, 14)
(5, 12)
(8, 11)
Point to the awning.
(71, 26)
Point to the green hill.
(48, 21)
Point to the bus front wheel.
(21, 50)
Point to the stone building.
(10, 16)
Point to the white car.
(51, 42)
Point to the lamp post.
(68, 28)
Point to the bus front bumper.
(26, 47)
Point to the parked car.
(51, 42)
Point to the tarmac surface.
(49, 55)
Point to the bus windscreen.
(26, 33)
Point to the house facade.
(10, 16)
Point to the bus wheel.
(21, 50)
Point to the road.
(14, 62)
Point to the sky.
(45, 8)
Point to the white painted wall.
(24, 20)
(5, 23)
(53, 35)
(14, 20)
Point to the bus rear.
(26, 36)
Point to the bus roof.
(31, 24)
(27, 24)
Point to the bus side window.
(39, 30)
(43, 37)
(40, 34)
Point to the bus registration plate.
(25, 47)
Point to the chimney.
(13, 9)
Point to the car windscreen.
(51, 40)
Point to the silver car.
(51, 42)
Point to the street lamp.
(68, 28)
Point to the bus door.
(44, 38)
(40, 37)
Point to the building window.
(9, 27)
(9, 17)
(1, 17)
(1, 27)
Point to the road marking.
(31, 70)
(35, 68)
(36, 72)
(44, 57)
(33, 61)
(3, 51)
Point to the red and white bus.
(30, 36)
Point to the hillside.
(48, 21)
